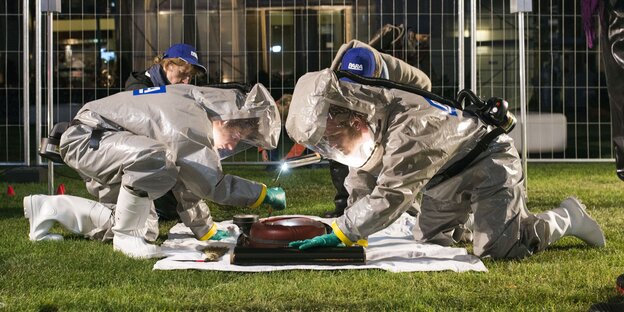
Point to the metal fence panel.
(11, 97)
(98, 43)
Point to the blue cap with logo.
(360, 61)
(185, 52)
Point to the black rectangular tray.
(293, 256)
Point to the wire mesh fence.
(98, 43)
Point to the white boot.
(78, 215)
(572, 219)
(130, 226)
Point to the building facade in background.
(97, 44)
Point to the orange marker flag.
(60, 190)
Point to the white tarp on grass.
(392, 249)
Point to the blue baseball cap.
(360, 61)
(184, 52)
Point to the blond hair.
(186, 67)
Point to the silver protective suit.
(160, 139)
(416, 139)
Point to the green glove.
(325, 240)
(276, 198)
(221, 234)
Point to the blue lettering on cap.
(355, 67)
(360, 61)
(152, 90)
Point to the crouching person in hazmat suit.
(133, 147)
(397, 144)
(362, 59)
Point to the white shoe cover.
(76, 214)
(38, 219)
(129, 231)
(572, 219)
(581, 224)
(135, 247)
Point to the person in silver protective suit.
(396, 144)
(133, 147)
(362, 59)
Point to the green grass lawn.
(78, 274)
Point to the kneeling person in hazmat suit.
(362, 59)
(133, 147)
(397, 144)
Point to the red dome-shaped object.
(277, 232)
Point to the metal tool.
(296, 162)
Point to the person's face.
(177, 74)
(344, 136)
(224, 139)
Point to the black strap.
(381, 82)
(240, 86)
(96, 137)
(461, 164)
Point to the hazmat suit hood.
(256, 111)
(316, 95)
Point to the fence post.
(26, 81)
(521, 6)
(50, 6)
(473, 46)
(460, 43)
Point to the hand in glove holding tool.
(275, 198)
(219, 235)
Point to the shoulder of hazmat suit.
(414, 138)
(180, 117)
(387, 66)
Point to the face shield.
(347, 139)
(339, 120)
(240, 121)
(235, 135)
